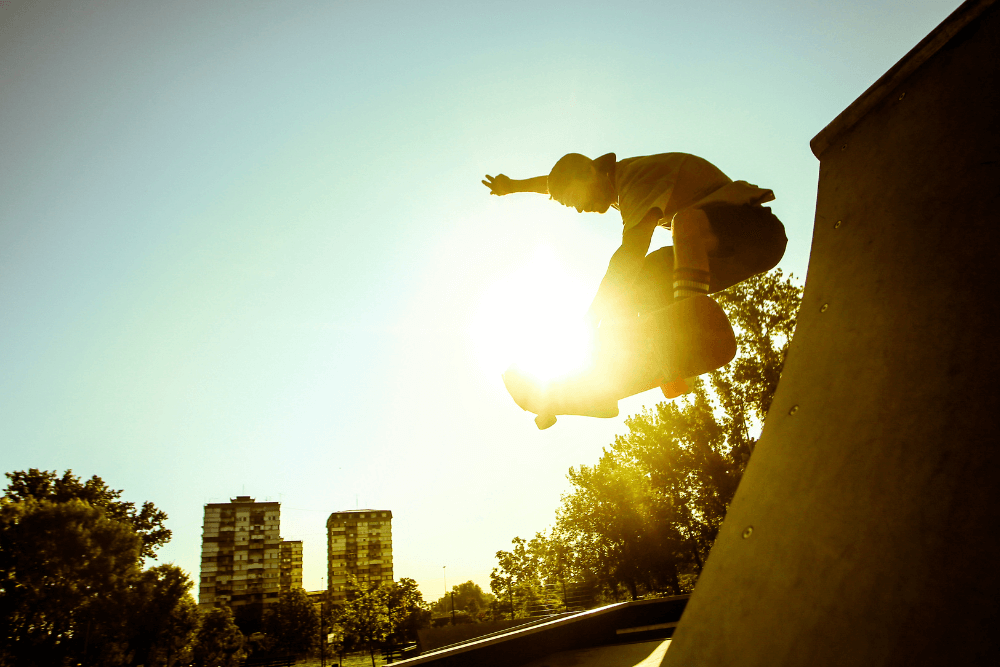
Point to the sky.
(245, 250)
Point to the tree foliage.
(525, 577)
(365, 619)
(163, 618)
(63, 565)
(292, 624)
(408, 612)
(219, 642)
(385, 615)
(72, 587)
(644, 517)
(147, 522)
(468, 598)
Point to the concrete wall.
(866, 530)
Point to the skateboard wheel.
(678, 387)
(544, 421)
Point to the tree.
(365, 617)
(516, 581)
(178, 634)
(408, 612)
(163, 618)
(385, 615)
(64, 567)
(763, 311)
(47, 485)
(249, 618)
(219, 643)
(328, 615)
(468, 597)
(614, 521)
(71, 586)
(566, 576)
(292, 624)
(509, 572)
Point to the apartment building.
(290, 568)
(241, 554)
(359, 544)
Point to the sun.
(533, 316)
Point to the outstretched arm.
(503, 185)
(623, 269)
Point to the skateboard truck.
(544, 421)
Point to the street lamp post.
(444, 568)
(322, 635)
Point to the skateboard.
(656, 349)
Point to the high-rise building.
(241, 554)
(291, 565)
(359, 544)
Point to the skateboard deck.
(685, 339)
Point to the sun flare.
(533, 316)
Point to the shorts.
(751, 241)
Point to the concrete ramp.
(866, 530)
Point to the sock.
(690, 282)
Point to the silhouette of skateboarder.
(721, 233)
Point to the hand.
(499, 184)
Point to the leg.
(750, 240)
(694, 241)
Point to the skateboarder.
(721, 232)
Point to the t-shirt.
(673, 182)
